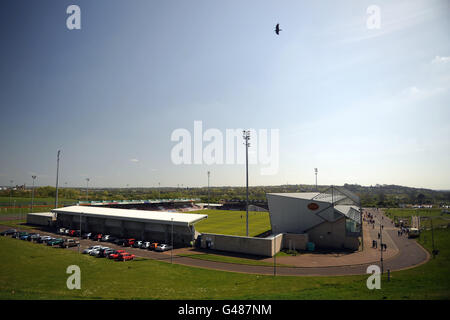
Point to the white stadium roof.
(162, 217)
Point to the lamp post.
(171, 251)
(57, 176)
(32, 194)
(381, 246)
(159, 190)
(315, 171)
(246, 136)
(274, 252)
(208, 187)
(10, 192)
(87, 185)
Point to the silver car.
(88, 250)
(163, 247)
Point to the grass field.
(439, 219)
(229, 259)
(34, 271)
(233, 222)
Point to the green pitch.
(233, 222)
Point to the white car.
(88, 250)
(163, 247)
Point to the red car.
(129, 242)
(98, 237)
(125, 256)
(116, 254)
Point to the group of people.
(383, 246)
(402, 231)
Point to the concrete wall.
(295, 241)
(331, 235)
(247, 245)
(40, 219)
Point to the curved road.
(410, 254)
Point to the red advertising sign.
(313, 206)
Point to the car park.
(163, 247)
(88, 250)
(8, 232)
(137, 244)
(55, 242)
(69, 243)
(145, 245)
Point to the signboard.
(313, 206)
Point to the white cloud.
(439, 59)
(134, 160)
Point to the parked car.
(88, 250)
(119, 242)
(8, 232)
(24, 236)
(112, 239)
(34, 237)
(19, 234)
(129, 242)
(105, 238)
(101, 252)
(30, 235)
(69, 243)
(163, 247)
(43, 239)
(137, 244)
(125, 256)
(61, 231)
(86, 235)
(55, 242)
(153, 245)
(74, 233)
(116, 254)
(107, 252)
(66, 231)
(145, 245)
(97, 237)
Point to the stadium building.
(129, 223)
(329, 220)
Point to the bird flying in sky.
(277, 29)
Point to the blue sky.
(363, 105)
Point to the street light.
(10, 192)
(246, 136)
(87, 184)
(315, 170)
(32, 194)
(171, 251)
(57, 176)
(274, 252)
(208, 187)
